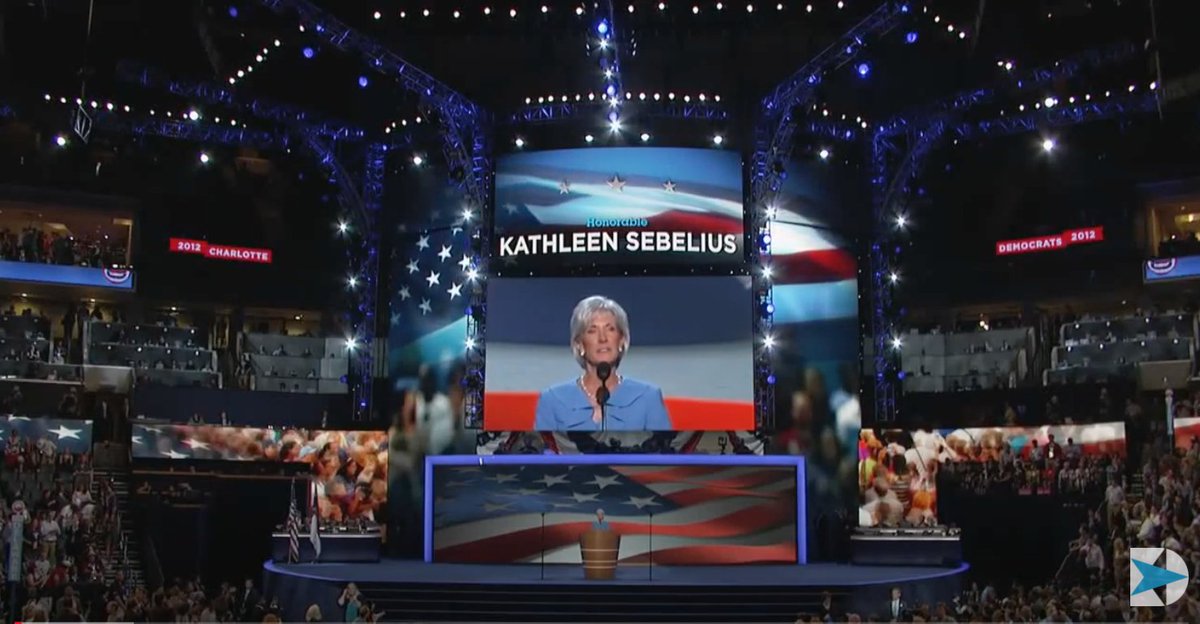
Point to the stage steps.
(600, 603)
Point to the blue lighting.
(309, 53)
(363, 81)
(233, 12)
(771, 380)
(863, 69)
(766, 240)
(611, 90)
(813, 79)
(770, 308)
(911, 37)
(904, 8)
(613, 116)
(602, 27)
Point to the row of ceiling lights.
(696, 9)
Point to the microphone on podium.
(603, 371)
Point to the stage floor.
(418, 572)
(408, 590)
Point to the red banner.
(1050, 243)
(220, 252)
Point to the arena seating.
(158, 354)
(1148, 348)
(282, 363)
(979, 360)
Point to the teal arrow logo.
(1154, 577)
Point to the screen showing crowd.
(618, 206)
(898, 470)
(349, 467)
(659, 353)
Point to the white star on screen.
(490, 507)
(563, 505)
(455, 231)
(413, 267)
(444, 254)
(669, 186)
(63, 433)
(196, 445)
(550, 480)
(617, 184)
(455, 291)
(174, 455)
(434, 279)
(641, 502)
(423, 242)
(395, 318)
(404, 294)
(502, 478)
(135, 439)
(465, 263)
(602, 481)
(151, 429)
(584, 498)
(12, 418)
(425, 307)
(564, 188)
(510, 208)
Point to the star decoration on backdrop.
(455, 291)
(395, 318)
(404, 293)
(502, 478)
(174, 454)
(602, 481)
(564, 188)
(641, 502)
(617, 184)
(413, 267)
(434, 279)
(583, 498)
(669, 186)
(196, 445)
(425, 307)
(135, 439)
(510, 208)
(63, 433)
(465, 263)
(444, 254)
(551, 480)
(423, 242)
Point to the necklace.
(591, 395)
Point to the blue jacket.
(634, 406)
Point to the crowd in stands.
(33, 244)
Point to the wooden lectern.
(599, 549)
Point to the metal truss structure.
(466, 148)
(562, 111)
(260, 108)
(195, 131)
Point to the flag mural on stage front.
(293, 528)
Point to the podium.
(599, 550)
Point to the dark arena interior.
(599, 311)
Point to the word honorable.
(617, 242)
(1051, 242)
(220, 252)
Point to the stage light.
(841, 5)
(863, 69)
(893, 277)
(351, 343)
(770, 308)
(767, 272)
(662, 6)
(602, 27)
(611, 91)
(343, 227)
(456, 14)
(808, 8)
(378, 15)
(512, 13)
(233, 11)
(695, 10)
(418, 161)
(1048, 145)
(589, 138)
(614, 125)
(766, 241)
(1050, 102)
(467, 215)
(720, 7)
(1008, 65)
(749, 8)
(897, 342)
(204, 158)
(578, 10)
(545, 9)
(901, 221)
(470, 343)
(645, 137)
(519, 142)
(718, 139)
(352, 282)
(770, 380)
(911, 37)
(60, 141)
(309, 52)
(487, 10)
(277, 43)
(363, 81)
(472, 274)
(824, 153)
(769, 341)
(193, 115)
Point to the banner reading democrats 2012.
(618, 206)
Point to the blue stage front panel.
(668, 509)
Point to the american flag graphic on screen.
(702, 514)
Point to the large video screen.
(618, 206)
(680, 353)
(349, 467)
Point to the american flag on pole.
(702, 514)
(293, 528)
